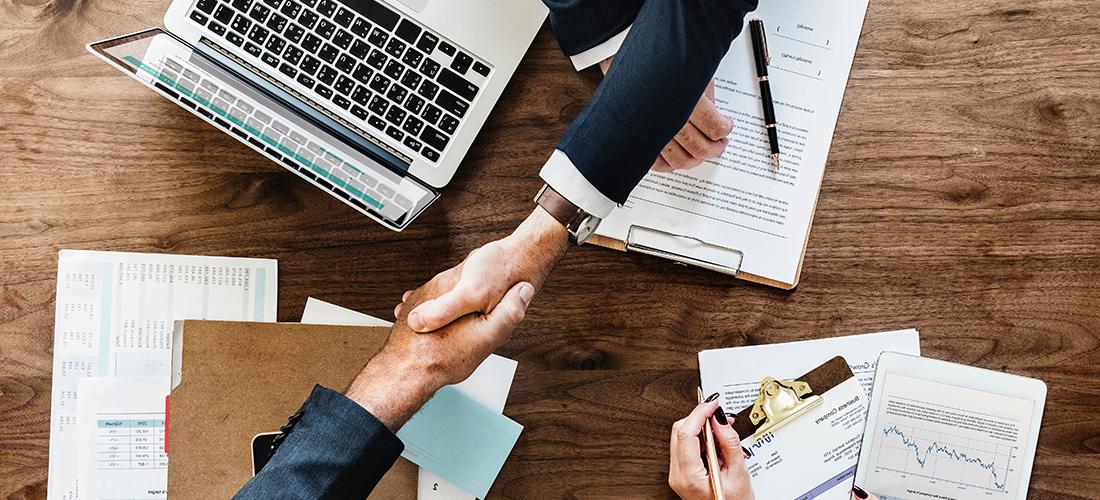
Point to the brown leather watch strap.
(562, 209)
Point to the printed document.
(739, 200)
(121, 425)
(488, 385)
(114, 318)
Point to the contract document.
(114, 318)
(738, 211)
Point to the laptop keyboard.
(369, 189)
(383, 69)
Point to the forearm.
(393, 386)
(539, 244)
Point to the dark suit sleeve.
(334, 448)
(580, 25)
(663, 66)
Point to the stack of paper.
(113, 339)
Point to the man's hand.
(411, 367)
(479, 282)
(703, 136)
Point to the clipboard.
(690, 251)
(782, 401)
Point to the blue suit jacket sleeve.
(580, 25)
(336, 449)
(673, 49)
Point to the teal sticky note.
(460, 440)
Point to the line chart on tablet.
(942, 457)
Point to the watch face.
(586, 228)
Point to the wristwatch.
(579, 223)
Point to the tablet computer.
(943, 430)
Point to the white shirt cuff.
(599, 52)
(560, 174)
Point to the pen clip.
(764, 38)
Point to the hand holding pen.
(689, 475)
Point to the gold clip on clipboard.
(782, 401)
(676, 248)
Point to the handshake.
(448, 326)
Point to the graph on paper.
(934, 440)
(945, 457)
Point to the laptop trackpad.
(417, 5)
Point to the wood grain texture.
(962, 197)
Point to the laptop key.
(217, 29)
(378, 105)
(379, 83)
(309, 19)
(274, 4)
(199, 17)
(293, 54)
(270, 60)
(323, 91)
(326, 7)
(234, 38)
(395, 47)
(306, 80)
(428, 89)
(447, 48)
(413, 125)
(259, 13)
(395, 133)
(412, 57)
(377, 13)
(288, 70)
(430, 68)
(386, 191)
(309, 65)
(396, 115)
(394, 70)
(341, 101)
(448, 124)
(342, 39)
(344, 85)
(480, 68)
(430, 154)
(461, 63)
(358, 48)
(427, 42)
(242, 5)
(275, 45)
(258, 34)
(407, 31)
(295, 33)
(327, 75)
(329, 53)
(451, 103)
(397, 94)
(360, 95)
(376, 122)
(457, 84)
(343, 17)
(431, 114)
(361, 28)
(345, 63)
(291, 9)
(277, 23)
(376, 59)
(311, 43)
(241, 24)
(414, 104)
(362, 73)
(359, 113)
(223, 14)
(254, 50)
(325, 29)
(411, 79)
(378, 37)
(206, 6)
(434, 138)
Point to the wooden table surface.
(962, 197)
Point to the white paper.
(739, 200)
(488, 385)
(815, 455)
(736, 372)
(121, 446)
(114, 318)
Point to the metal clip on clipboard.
(779, 402)
(642, 239)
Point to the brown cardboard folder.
(821, 380)
(236, 380)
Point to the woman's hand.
(859, 494)
(687, 475)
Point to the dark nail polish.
(720, 416)
(746, 450)
(712, 397)
(859, 492)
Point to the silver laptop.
(374, 101)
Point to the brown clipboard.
(818, 381)
(236, 380)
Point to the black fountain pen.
(760, 55)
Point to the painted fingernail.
(720, 416)
(859, 492)
(712, 397)
(526, 292)
(746, 452)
